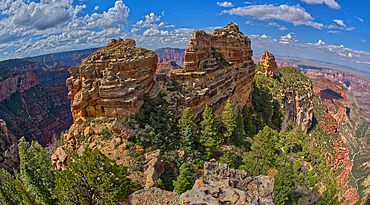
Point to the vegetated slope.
(351, 119)
(314, 151)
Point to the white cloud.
(115, 17)
(296, 15)
(339, 54)
(331, 3)
(282, 28)
(96, 8)
(333, 32)
(360, 19)
(340, 22)
(362, 40)
(225, 4)
(247, 2)
(30, 28)
(211, 29)
(287, 39)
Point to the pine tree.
(92, 178)
(209, 138)
(186, 127)
(36, 172)
(8, 191)
(283, 183)
(261, 157)
(186, 121)
(228, 120)
(184, 180)
(228, 159)
(13, 191)
(249, 127)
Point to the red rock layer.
(333, 97)
(360, 86)
(20, 83)
(229, 41)
(167, 66)
(170, 54)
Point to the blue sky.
(336, 31)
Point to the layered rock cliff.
(170, 54)
(112, 81)
(278, 63)
(217, 66)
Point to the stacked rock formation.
(217, 66)
(112, 81)
(268, 61)
(219, 185)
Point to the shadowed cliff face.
(360, 86)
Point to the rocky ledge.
(219, 185)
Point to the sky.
(335, 31)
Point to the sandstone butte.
(268, 61)
(217, 66)
(112, 81)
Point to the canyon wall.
(360, 86)
(217, 66)
(19, 83)
(53, 61)
(170, 54)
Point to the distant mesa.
(268, 61)
(167, 66)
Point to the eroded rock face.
(298, 107)
(9, 155)
(268, 61)
(217, 66)
(112, 81)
